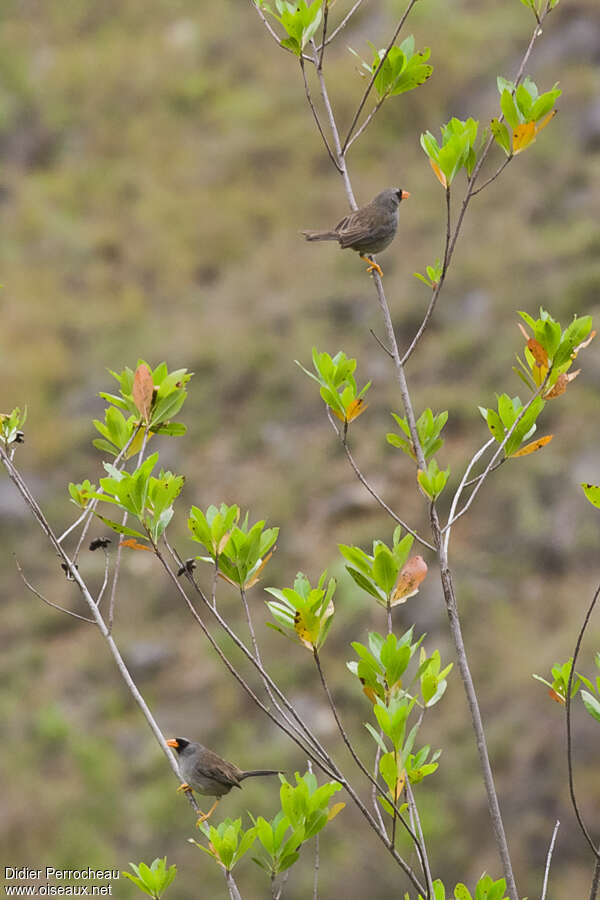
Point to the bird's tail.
(254, 772)
(321, 235)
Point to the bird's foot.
(204, 816)
(372, 266)
(184, 787)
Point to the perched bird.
(208, 774)
(369, 229)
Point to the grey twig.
(493, 177)
(376, 72)
(316, 116)
(595, 880)
(495, 458)
(372, 491)
(574, 803)
(23, 489)
(549, 860)
(417, 827)
(461, 487)
(343, 23)
(232, 887)
(105, 580)
(49, 602)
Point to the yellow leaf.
(523, 136)
(223, 542)
(335, 809)
(256, 575)
(399, 786)
(545, 121)
(355, 409)
(409, 579)
(439, 174)
(143, 391)
(533, 446)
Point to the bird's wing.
(220, 770)
(352, 228)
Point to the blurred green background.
(158, 161)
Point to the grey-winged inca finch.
(207, 774)
(369, 229)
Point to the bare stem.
(23, 489)
(549, 860)
(376, 72)
(316, 116)
(578, 815)
(49, 602)
(595, 881)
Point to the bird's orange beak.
(405, 195)
(172, 742)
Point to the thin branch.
(364, 769)
(49, 602)
(316, 117)
(343, 23)
(321, 50)
(23, 489)
(595, 881)
(417, 819)
(232, 887)
(461, 487)
(117, 569)
(325, 762)
(373, 492)
(493, 469)
(381, 344)
(549, 860)
(438, 287)
(376, 72)
(367, 122)
(105, 581)
(578, 815)
(493, 177)
(497, 454)
(316, 869)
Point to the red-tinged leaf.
(143, 391)
(355, 409)
(523, 136)
(538, 352)
(556, 697)
(438, 173)
(561, 384)
(533, 446)
(135, 545)
(370, 693)
(411, 575)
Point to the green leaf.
(509, 109)
(592, 492)
(501, 135)
(591, 704)
(122, 529)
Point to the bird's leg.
(184, 787)
(372, 265)
(207, 815)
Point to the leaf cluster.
(526, 111)
(303, 612)
(429, 428)
(388, 574)
(241, 551)
(11, 426)
(455, 152)
(154, 879)
(335, 376)
(299, 20)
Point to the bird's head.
(391, 197)
(178, 744)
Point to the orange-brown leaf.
(439, 174)
(143, 391)
(355, 409)
(533, 446)
(538, 352)
(135, 545)
(556, 697)
(561, 384)
(370, 693)
(411, 575)
(523, 136)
